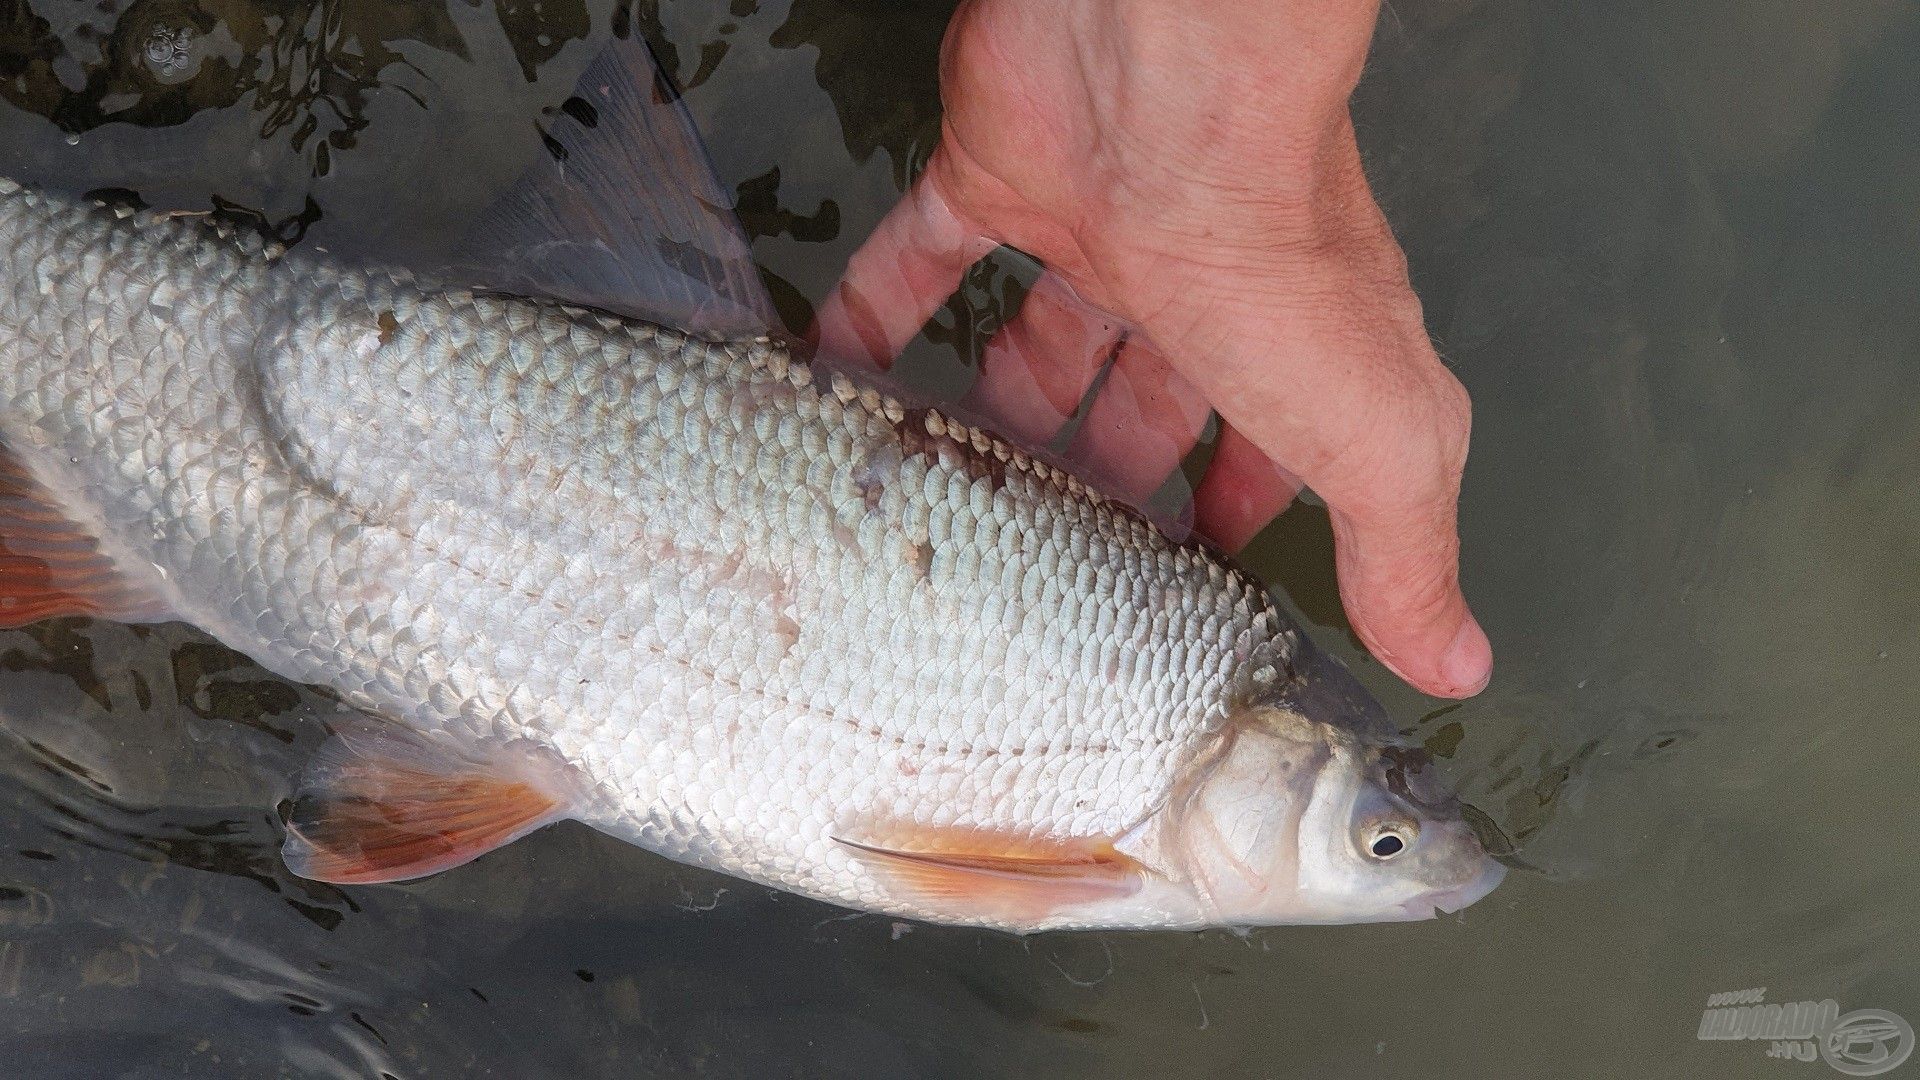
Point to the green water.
(1672, 250)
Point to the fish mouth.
(1457, 899)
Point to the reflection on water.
(1681, 285)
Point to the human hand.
(1191, 168)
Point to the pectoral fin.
(384, 804)
(976, 872)
(51, 566)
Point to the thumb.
(1397, 547)
(1354, 403)
(1320, 358)
(1400, 584)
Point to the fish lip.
(1418, 910)
(1489, 879)
(1455, 900)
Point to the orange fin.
(977, 872)
(51, 567)
(384, 804)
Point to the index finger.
(898, 278)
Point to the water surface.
(1672, 250)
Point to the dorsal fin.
(624, 212)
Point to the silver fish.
(688, 589)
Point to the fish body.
(691, 590)
(759, 619)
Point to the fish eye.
(1389, 839)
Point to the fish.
(573, 530)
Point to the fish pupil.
(1388, 845)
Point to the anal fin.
(383, 803)
(51, 567)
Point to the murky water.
(1673, 250)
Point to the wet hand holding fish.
(673, 583)
(1248, 250)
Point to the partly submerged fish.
(674, 583)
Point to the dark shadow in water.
(307, 68)
(877, 61)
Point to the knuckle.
(1407, 459)
(1421, 592)
(1452, 419)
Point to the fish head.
(1292, 820)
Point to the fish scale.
(749, 604)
